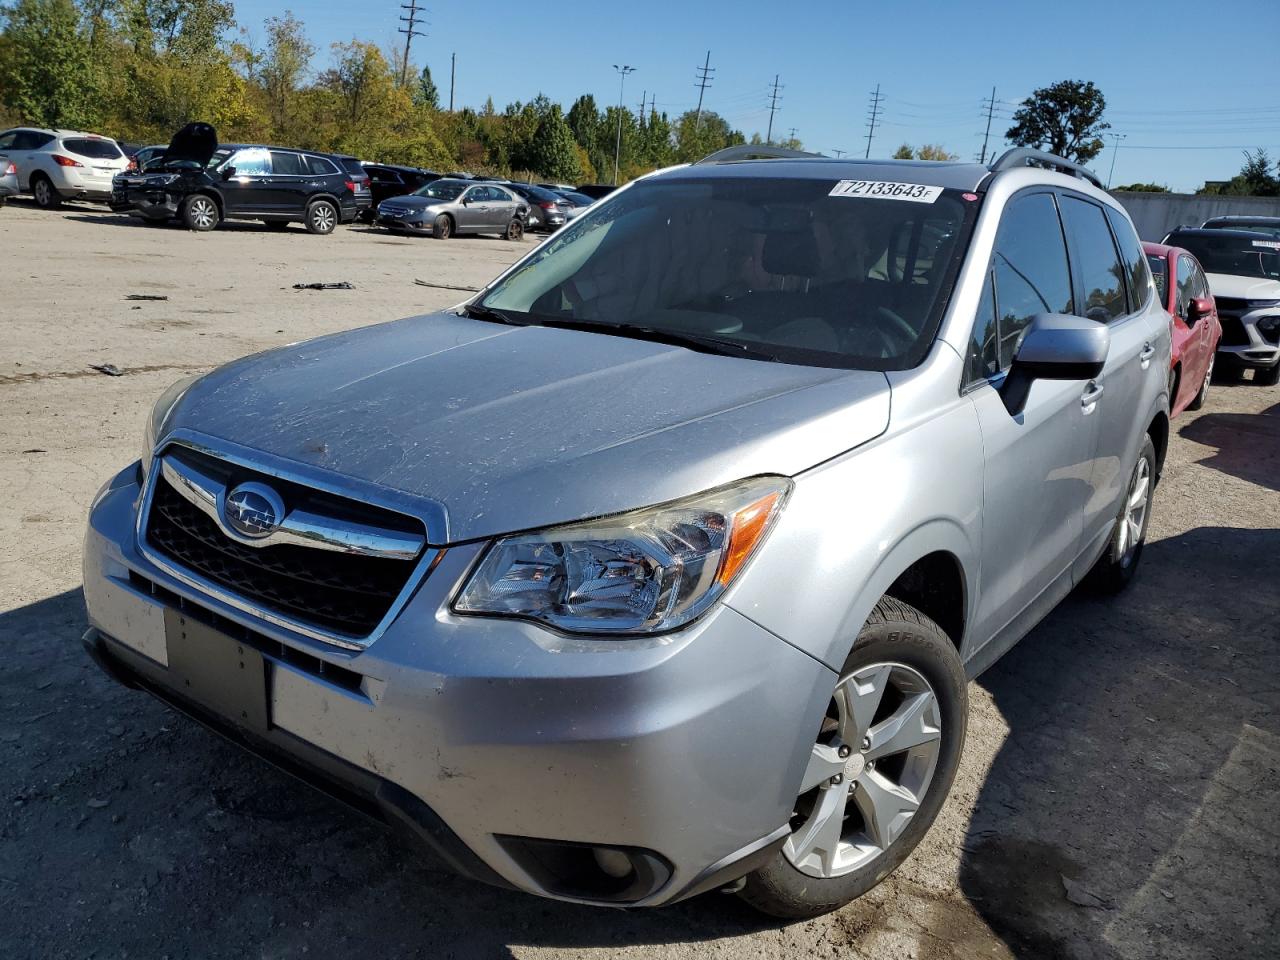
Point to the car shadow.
(108, 218)
(155, 836)
(1248, 444)
(1130, 812)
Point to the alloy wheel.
(1134, 517)
(43, 193)
(322, 217)
(869, 771)
(203, 213)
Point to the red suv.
(1184, 292)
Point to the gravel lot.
(1119, 794)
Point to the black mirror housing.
(1055, 347)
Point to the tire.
(1198, 400)
(897, 641)
(322, 217)
(1117, 566)
(44, 192)
(515, 230)
(200, 213)
(1269, 377)
(442, 229)
(277, 225)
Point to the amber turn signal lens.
(749, 525)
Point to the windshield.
(781, 266)
(441, 191)
(1234, 255)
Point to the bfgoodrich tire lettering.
(896, 641)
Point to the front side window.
(1029, 275)
(252, 162)
(1102, 291)
(775, 269)
(1186, 286)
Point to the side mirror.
(1199, 308)
(228, 173)
(1055, 347)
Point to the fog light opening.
(615, 863)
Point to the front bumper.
(497, 734)
(154, 203)
(1244, 344)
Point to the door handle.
(1148, 351)
(1090, 396)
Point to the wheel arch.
(1158, 430)
(337, 204)
(212, 195)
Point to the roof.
(1250, 220)
(933, 173)
(1214, 233)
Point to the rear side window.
(1136, 268)
(287, 164)
(1102, 292)
(352, 165)
(1160, 276)
(319, 166)
(93, 149)
(1029, 275)
(31, 140)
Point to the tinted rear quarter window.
(319, 166)
(287, 164)
(94, 149)
(1101, 274)
(1137, 269)
(352, 165)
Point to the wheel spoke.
(886, 808)
(1122, 539)
(824, 763)
(820, 834)
(911, 725)
(858, 699)
(1139, 493)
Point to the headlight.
(159, 414)
(638, 573)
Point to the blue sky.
(1190, 83)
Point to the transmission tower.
(703, 81)
(410, 30)
(872, 118)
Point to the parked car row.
(660, 565)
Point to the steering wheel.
(896, 334)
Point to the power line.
(703, 81)
(413, 21)
(773, 108)
(876, 100)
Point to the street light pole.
(622, 83)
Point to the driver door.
(1038, 463)
(246, 183)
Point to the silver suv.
(660, 565)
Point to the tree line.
(138, 70)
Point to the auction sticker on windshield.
(1267, 244)
(886, 190)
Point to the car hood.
(513, 428)
(1243, 288)
(195, 143)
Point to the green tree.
(1065, 118)
(905, 152)
(283, 67)
(1254, 179)
(930, 151)
(696, 137)
(553, 152)
(1143, 188)
(47, 73)
(427, 95)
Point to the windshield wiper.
(478, 311)
(691, 341)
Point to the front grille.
(1233, 334)
(343, 593)
(1234, 304)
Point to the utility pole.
(643, 96)
(410, 30)
(622, 84)
(453, 67)
(704, 81)
(1116, 137)
(791, 134)
(839, 153)
(876, 99)
(991, 109)
(773, 108)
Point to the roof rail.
(1026, 157)
(755, 151)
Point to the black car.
(545, 214)
(596, 191)
(388, 180)
(202, 182)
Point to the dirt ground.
(1119, 794)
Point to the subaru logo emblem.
(253, 510)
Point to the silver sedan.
(448, 207)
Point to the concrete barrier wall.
(1155, 214)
